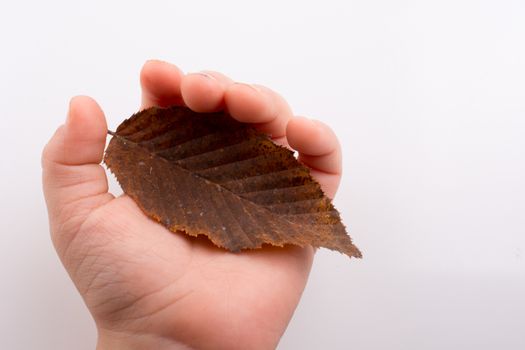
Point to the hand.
(146, 287)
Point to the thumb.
(74, 181)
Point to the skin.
(146, 287)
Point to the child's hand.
(148, 288)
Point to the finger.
(74, 181)
(318, 149)
(160, 82)
(204, 91)
(259, 105)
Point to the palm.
(138, 276)
(141, 281)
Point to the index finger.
(160, 82)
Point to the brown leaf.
(209, 174)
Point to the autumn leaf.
(205, 173)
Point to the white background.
(427, 97)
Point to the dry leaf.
(209, 174)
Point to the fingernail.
(69, 107)
(157, 61)
(206, 75)
(304, 119)
(253, 87)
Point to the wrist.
(110, 340)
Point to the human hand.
(146, 287)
